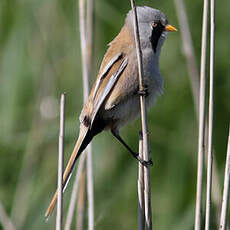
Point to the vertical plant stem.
(188, 50)
(81, 202)
(224, 209)
(86, 32)
(90, 191)
(89, 45)
(201, 142)
(141, 200)
(86, 51)
(146, 152)
(74, 193)
(85, 73)
(59, 216)
(89, 35)
(210, 122)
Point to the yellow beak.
(170, 28)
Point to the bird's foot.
(143, 92)
(148, 163)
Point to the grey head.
(152, 23)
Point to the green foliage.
(40, 59)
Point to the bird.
(115, 97)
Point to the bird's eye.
(154, 24)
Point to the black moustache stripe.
(156, 33)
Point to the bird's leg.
(135, 155)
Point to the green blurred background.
(40, 59)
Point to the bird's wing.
(104, 73)
(107, 81)
(112, 69)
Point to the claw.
(143, 92)
(148, 163)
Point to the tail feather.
(85, 136)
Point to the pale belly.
(129, 110)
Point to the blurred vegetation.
(40, 59)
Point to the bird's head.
(153, 25)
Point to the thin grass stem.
(188, 50)
(210, 119)
(86, 27)
(81, 202)
(201, 140)
(59, 217)
(140, 185)
(224, 210)
(90, 181)
(146, 152)
(73, 199)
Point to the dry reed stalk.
(89, 45)
(89, 35)
(86, 49)
(210, 118)
(201, 142)
(140, 185)
(79, 182)
(188, 50)
(224, 210)
(59, 217)
(81, 202)
(146, 152)
(74, 193)
(86, 28)
(85, 73)
(90, 190)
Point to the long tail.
(85, 136)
